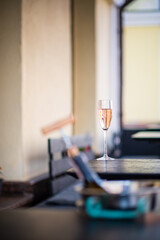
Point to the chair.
(62, 184)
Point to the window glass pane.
(141, 74)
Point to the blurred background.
(59, 57)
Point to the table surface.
(147, 135)
(9, 201)
(125, 168)
(74, 225)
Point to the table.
(10, 201)
(73, 225)
(147, 135)
(125, 169)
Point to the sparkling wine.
(105, 116)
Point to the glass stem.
(105, 144)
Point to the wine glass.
(105, 116)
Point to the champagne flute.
(105, 116)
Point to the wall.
(35, 81)
(36, 76)
(84, 65)
(103, 56)
(91, 64)
(47, 80)
(10, 89)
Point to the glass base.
(105, 158)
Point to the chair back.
(59, 162)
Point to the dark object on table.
(111, 199)
(108, 199)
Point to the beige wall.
(91, 64)
(84, 65)
(103, 56)
(37, 40)
(47, 90)
(39, 46)
(10, 89)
